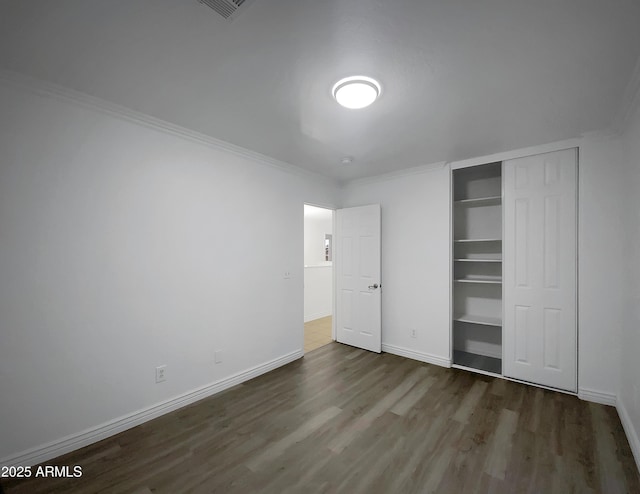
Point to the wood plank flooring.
(343, 420)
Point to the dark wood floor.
(346, 420)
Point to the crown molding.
(416, 170)
(630, 103)
(45, 88)
(601, 135)
(518, 153)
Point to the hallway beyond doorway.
(317, 333)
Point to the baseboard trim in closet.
(630, 431)
(412, 354)
(79, 440)
(587, 394)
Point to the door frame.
(574, 143)
(333, 209)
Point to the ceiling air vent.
(229, 9)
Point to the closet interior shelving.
(477, 268)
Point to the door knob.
(374, 286)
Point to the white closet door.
(540, 270)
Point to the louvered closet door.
(540, 269)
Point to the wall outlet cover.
(161, 373)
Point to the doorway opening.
(318, 277)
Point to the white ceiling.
(461, 78)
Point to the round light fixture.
(347, 160)
(356, 91)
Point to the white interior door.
(358, 290)
(540, 271)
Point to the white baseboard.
(39, 454)
(317, 315)
(412, 354)
(595, 396)
(630, 431)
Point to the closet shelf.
(475, 362)
(481, 201)
(477, 268)
(474, 319)
(478, 260)
(478, 240)
(494, 280)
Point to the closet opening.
(477, 268)
(318, 277)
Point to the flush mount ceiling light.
(347, 160)
(356, 91)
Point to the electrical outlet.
(161, 373)
(413, 333)
(217, 357)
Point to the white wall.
(629, 388)
(318, 274)
(415, 259)
(318, 292)
(601, 266)
(125, 247)
(317, 223)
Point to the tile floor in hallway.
(317, 333)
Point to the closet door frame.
(484, 323)
(574, 143)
